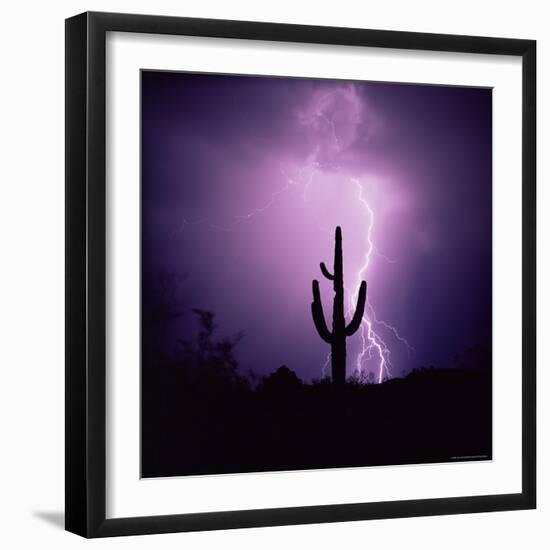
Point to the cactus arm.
(326, 272)
(318, 315)
(355, 323)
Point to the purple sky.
(245, 178)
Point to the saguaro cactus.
(337, 338)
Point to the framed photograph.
(300, 274)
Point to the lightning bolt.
(371, 341)
(238, 219)
(243, 217)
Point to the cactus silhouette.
(337, 338)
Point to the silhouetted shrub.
(210, 357)
(281, 380)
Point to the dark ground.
(206, 419)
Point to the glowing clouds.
(332, 118)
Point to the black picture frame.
(86, 280)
